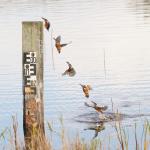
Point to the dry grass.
(39, 142)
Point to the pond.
(110, 50)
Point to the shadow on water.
(93, 118)
(97, 125)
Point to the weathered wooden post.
(32, 52)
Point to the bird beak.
(87, 96)
(68, 63)
(43, 18)
(81, 85)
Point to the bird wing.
(94, 103)
(90, 128)
(103, 108)
(86, 104)
(89, 103)
(96, 134)
(62, 45)
(58, 39)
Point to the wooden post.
(32, 52)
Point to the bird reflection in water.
(97, 128)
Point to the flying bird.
(86, 89)
(98, 128)
(46, 23)
(58, 44)
(99, 109)
(70, 71)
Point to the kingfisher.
(99, 109)
(58, 45)
(86, 89)
(98, 128)
(46, 23)
(70, 71)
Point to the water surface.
(121, 28)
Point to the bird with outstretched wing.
(70, 71)
(58, 44)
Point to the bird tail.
(64, 73)
(59, 51)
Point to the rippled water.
(121, 28)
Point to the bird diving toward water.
(98, 128)
(46, 23)
(70, 71)
(99, 109)
(86, 89)
(58, 45)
